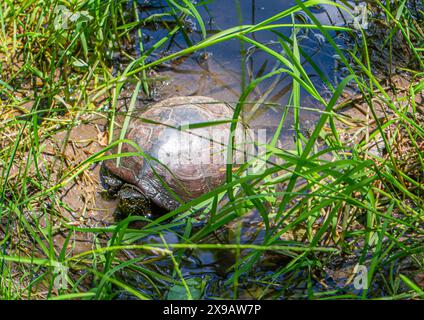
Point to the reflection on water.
(225, 68)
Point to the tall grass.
(324, 200)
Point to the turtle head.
(131, 200)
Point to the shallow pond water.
(223, 70)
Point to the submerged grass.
(345, 202)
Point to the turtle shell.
(184, 155)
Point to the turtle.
(181, 154)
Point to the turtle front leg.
(132, 201)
